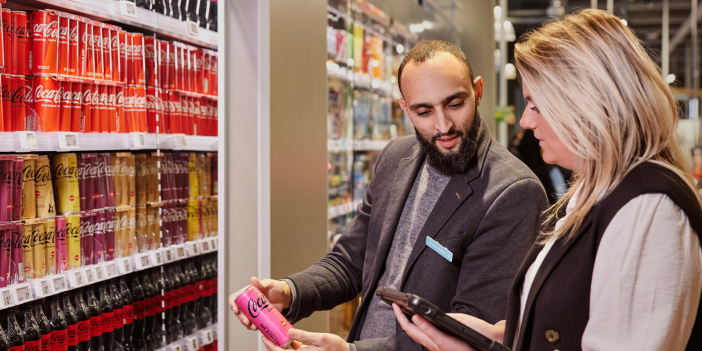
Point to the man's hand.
(313, 341)
(434, 339)
(277, 292)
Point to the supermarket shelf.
(23, 142)
(343, 209)
(370, 145)
(339, 145)
(54, 284)
(200, 338)
(110, 10)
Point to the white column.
(502, 126)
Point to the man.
(449, 215)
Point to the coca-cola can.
(165, 117)
(151, 61)
(119, 107)
(187, 115)
(154, 110)
(179, 67)
(86, 56)
(86, 107)
(200, 118)
(170, 67)
(99, 99)
(18, 111)
(20, 62)
(124, 50)
(213, 74)
(66, 110)
(45, 30)
(176, 113)
(7, 39)
(74, 59)
(76, 106)
(136, 70)
(140, 108)
(129, 109)
(29, 46)
(192, 63)
(47, 102)
(106, 48)
(199, 71)
(161, 63)
(64, 44)
(97, 48)
(112, 119)
(6, 82)
(115, 48)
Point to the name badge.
(444, 252)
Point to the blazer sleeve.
(495, 253)
(337, 277)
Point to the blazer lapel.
(402, 185)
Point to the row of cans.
(187, 175)
(49, 42)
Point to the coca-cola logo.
(102, 100)
(63, 33)
(76, 98)
(43, 31)
(58, 337)
(49, 236)
(141, 220)
(149, 51)
(17, 242)
(61, 234)
(86, 97)
(73, 36)
(140, 102)
(32, 345)
(72, 333)
(83, 328)
(106, 44)
(86, 36)
(95, 97)
(5, 242)
(109, 227)
(99, 227)
(72, 231)
(42, 94)
(137, 51)
(115, 43)
(19, 96)
(256, 306)
(97, 40)
(129, 102)
(38, 237)
(111, 100)
(86, 228)
(19, 30)
(27, 241)
(119, 98)
(61, 171)
(154, 103)
(42, 174)
(6, 27)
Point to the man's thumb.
(303, 336)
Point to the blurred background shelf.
(10, 142)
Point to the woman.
(619, 264)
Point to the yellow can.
(44, 188)
(50, 246)
(29, 209)
(73, 237)
(65, 178)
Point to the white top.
(646, 282)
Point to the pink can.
(17, 256)
(267, 318)
(61, 244)
(5, 253)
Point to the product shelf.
(43, 142)
(112, 10)
(40, 288)
(343, 209)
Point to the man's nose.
(443, 123)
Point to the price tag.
(42, 287)
(156, 258)
(181, 141)
(111, 269)
(125, 266)
(28, 140)
(139, 140)
(90, 277)
(191, 248)
(68, 140)
(75, 278)
(214, 331)
(23, 293)
(175, 347)
(192, 344)
(58, 283)
(192, 28)
(142, 261)
(213, 244)
(167, 255)
(205, 246)
(100, 272)
(128, 9)
(6, 299)
(180, 252)
(206, 337)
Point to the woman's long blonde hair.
(598, 89)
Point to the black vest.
(558, 306)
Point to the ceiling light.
(400, 48)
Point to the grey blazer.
(488, 217)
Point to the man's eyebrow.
(460, 94)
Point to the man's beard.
(457, 161)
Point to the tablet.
(413, 304)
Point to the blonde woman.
(619, 266)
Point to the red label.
(111, 250)
(107, 318)
(139, 310)
(72, 335)
(118, 321)
(32, 345)
(132, 193)
(37, 193)
(83, 331)
(159, 304)
(112, 194)
(17, 348)
(59, 340)
(128, 314)
(46, 342)
(71, 198)
(150, 306)
(95, 326)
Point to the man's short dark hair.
(427, 50)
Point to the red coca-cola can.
(166, 116)
(199, 118)
(215, 128)
(129, 109)
(47, 103)
(76, 106)
(115, 49)
(6, 82)
(176, 112)
(30, 45)
(64, 33)
(73, 46)
(199, 71)
(45, 30)
(97, 48)
(86, 57)
(124, 50)
(136, 71)
(151, 61)
(171, 63)
(32, 122)
(18, 108)
(20, 61)
(112, 120)
(192, 67)
(154, 110)
(140, 108)
(161, 63)
(188, 114)
(66, 109)
(86, 103)
(106, 48)
(7, 31)
(119, 107)
(213, 75)
(99, 122)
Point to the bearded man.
(449, 215)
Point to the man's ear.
(478, 89)
(403, 106)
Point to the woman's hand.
(432, 338)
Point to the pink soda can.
(17, 188)
(6, 188)
(5, 253)
(17, 256)
(61, 244)
(267, 318)
(99, 240)
(109, 231)
(87, 226)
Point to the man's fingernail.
(293, 333)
